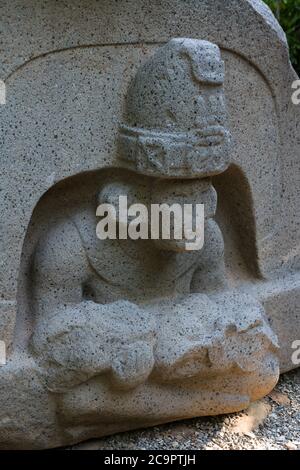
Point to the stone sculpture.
(118, 334)
(100, 321)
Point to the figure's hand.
(132, 365)
(90, 339)
(205, 337)
(184, 335)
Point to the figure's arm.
(60, 268)
(75, 339)
(210, 275)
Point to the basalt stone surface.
(176, 102)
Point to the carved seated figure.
(134, 332)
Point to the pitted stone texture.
(67, 71)
(47, 60)
(89, 340)
(176, 114)
(27, 413)
(233, 339)
(199, 356)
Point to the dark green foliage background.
(288, 15)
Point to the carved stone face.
(183, 192)
(148, 191)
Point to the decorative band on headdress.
(175, 154)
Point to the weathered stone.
(110, 335)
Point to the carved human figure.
(134, 312)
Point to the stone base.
(230, 361)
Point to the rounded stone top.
(161, 92)
(175, 123)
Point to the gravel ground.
(271, 423)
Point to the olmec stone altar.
(173, 103)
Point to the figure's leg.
(222, 340)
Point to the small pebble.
(291, 446)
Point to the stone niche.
(107, 98)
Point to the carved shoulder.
(59, 256)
